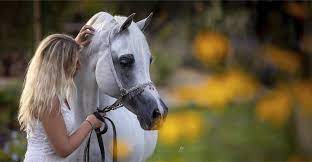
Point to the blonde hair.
(50, 73)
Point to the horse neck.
(86, 99)
(88, 96)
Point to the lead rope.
(114, 139)
(99, 134)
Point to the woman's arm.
(55, 128)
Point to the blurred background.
(236, 75)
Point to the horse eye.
(126, 60)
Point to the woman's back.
(38, 146)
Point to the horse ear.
(127, 23)
(143, 24)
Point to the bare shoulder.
(53, 111)
(55, 105)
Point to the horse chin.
(143, 123)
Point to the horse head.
(123, 63)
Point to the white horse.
(118, 42)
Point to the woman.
(44, 112)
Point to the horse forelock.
(103, 23)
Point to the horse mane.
(103, 23)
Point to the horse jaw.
(105, 76)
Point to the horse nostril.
(156, 114)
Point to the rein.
(125, 95)
(99, 134)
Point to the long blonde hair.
(50, 73)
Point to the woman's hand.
(83, 38)
(96, 123)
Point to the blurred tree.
(15, 33)
(37, 21)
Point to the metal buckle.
(123, 92)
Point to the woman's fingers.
(85, 27)
(83, 38)
(85, 33)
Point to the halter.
(125, 95)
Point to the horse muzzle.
(157, 118)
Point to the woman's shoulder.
(56, 105)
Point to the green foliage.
(16, 28)
(4, 156)
(166, 32)
(17, 146)
(163, 67)
(9, 95)
(9, 98)
(16, 142)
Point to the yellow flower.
(303, 93)
(211, 47)
(123, 149)
(217, 91)
(285, 60)
(192, 125)
(171, 130)
(275, 107)
(241, 85)
(180, 125)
